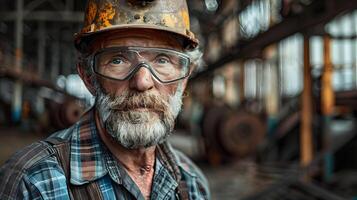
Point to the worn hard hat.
(112, 15)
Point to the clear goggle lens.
(121, 63)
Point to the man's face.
(140, 111)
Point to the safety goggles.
(121, 63)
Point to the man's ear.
(88, 82)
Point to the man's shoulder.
(20, 166)
(186, 163)
(34, 153)
(27, 157)
(31, 162)
(189, 168)
(63, 135)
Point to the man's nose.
(142, 80)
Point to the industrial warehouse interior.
(269, 114)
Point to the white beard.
(134, 128)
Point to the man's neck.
(139, 163)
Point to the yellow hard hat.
(108, 15)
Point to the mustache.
(134, 100)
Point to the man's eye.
(163, 60)
(117, 61)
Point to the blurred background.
(269, 115)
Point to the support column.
(231, 96)
(341, 57)
(272, 96)
(41, 62)
(241, 82)
(66, 53)
(17, 96)
(66, 59)
(271, 83)
(41, 48)
(69, 4)
(55, 58)
(306, 144)
(259, 74)
(354, 49)
(327, 103)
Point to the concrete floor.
(243, 179)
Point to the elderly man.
(135, 57)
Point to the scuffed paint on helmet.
(165, 15)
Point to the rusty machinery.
(231, 134)
(65, 113)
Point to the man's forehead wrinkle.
(138, 41)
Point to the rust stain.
(101, 14)
(106, 14)
(91, 12)
(185, 18)
(85, 29)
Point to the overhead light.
(211, 5)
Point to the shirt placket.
(164, 184)
(125, 187)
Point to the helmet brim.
(82, 40)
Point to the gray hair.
(84, 62)
(195, 57)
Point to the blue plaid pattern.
(91, 161)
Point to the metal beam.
(45, 16)
(34, 4)
(30, 79)
(319, 12)
(58, 5)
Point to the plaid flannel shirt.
(29, 175)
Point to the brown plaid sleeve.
(13, 171)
